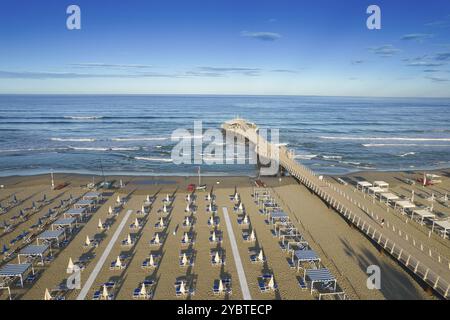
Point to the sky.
(282, 47)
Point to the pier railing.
(309, 179)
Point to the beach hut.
(381, 184)
(363, 185)
(423, 214)
(47, 295)
(444, 225)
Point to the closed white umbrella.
(236, 196)
(147, 198)
(182, 288)
(211, 220)
(143, 291)
(143, 209)
(167, 198)
(271, 283)
(88, 241)
(165, 208)
(217, 257)
(47, 295)
(161, 222)
(245, 219)
(188, 222)
(210, 207)
(100, 224)
(188, 198)
(412, 196)
(213, 237)
(129, 239)
(241, 207)
(110, 210)
(184, 260)
(136, 223)
(209, 197)
(118, 199)
(70, 266)
(188, 207)
(220, 286)
(252, 235)
(152, 261)
(118, 262)
(186, 238)
(105, 293)
(157, 238)
(261, 255)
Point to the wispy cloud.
(110, 65)
(387, 50)
(442, 56)
(416, 36)
(357, 62)
(263, 36)
(426, 64)
(74, 75)
(231, 70)
(438, 79)
(284, 71)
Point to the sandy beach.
(342, 249)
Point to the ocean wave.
(83, 117)
(369, 145)
(407, 154)
(305, 156)
(155, 159)
(104, 148)
(332, 157)
(139, 139)
(73, 139)
(384, 138)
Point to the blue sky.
(226, 47)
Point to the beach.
(343, 250)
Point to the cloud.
(357, 62)
(233, 70)
(284, 71)
(430, 70)
(263, 36)
(438, 79)
(387, 50)
(110, 65)
(416, 36)
(426, 64)
(443, 56)
(73, 75)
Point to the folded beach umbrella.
(213, 237)
(271, 283)
(187, 221)
(210, 207)
(143, 209)
(220, 285)
(412, 196)
(186, 238)
(252, 235)
(167, 198)
(100, 224)
(148, 198)
(118, 262)
(209, 196)
(165, 208)
(261, 255)
(236, 196)
(157, 238)
(152, 261)
(88, 241)
(182, 288)
(105, 293)
(211, 220)
(110, 210)
(143, 291)
(136, 223)
(217, 257)
(129, 239)
(245, 219)
(70, 266)
(184, 260)
(241, 207)
(118, 199)
(188, 197)
(188, 207)
(161, 222)
(47, 295)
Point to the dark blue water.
(131, 134)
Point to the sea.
(132, 134)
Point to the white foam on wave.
(384, 138)
(368, 145)
(407, 154)
(155, 159)
(73, 139)
(305, 156)
(139, 139)
(83, 117)
(332, 157)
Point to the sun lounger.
(302, 284)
